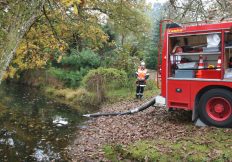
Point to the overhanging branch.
(50, 24)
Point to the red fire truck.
(195, 70)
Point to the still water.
(33, 127)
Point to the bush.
(122, 60)
(70, 78)
(101, 79)
(86, 59)
(75, 66)
(85, 98)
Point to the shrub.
(70, 78)
(86, 59)
(121, 59)
(85, 98)
(74, 66)
(101, 79)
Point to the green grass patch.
(214, 145)
(144, 150)
(110, 153)
(129, 90)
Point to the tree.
(16, 17)
(195, 10)
(65, 24)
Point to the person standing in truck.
(142, 75)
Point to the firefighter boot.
(137, 96)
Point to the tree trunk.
(18, 19)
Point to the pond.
(33, 127)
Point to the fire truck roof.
(198, 27)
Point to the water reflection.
(33, 128)
(59, 121)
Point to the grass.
(80, 97)
(110, 153)
(215, 145)
(128, 92)
(76, 98)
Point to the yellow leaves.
(68, 3)
(28, 56)
(10, 72)
(60, 59)
(73, 3)
(62, 46)
(75, 9)
(93, 34)
(35, 50)
(40, 63)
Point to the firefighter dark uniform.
(142, 75)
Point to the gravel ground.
(153, 123)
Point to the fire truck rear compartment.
(187, 78)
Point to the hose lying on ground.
(132, 111)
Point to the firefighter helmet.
(142, 63)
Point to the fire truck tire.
(215, 108)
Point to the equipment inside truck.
(199, 56)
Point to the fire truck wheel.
(215, 108)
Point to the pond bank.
(75, 98)
(79, 97)
(152, 135)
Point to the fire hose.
(132, 111)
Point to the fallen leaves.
(151, 124)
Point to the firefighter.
(142, 75)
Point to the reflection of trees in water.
(27, 117)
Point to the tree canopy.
(196, 10)
(48, 29)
